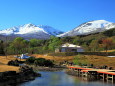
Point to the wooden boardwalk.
(104, 74)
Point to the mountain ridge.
(90, 27)
(37, 31)
(44, 32)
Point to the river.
(60, 78)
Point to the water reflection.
(60, 78)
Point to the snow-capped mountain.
(32, 31)
(29, 31)
(89, 28)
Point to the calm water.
(60, 78)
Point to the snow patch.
(89, 28)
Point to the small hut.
(69, 48)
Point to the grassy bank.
(100, 60)
(4, 66)
(55, 58)
(90, 59)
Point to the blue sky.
(60, 14)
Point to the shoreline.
(27, 73)
(12, 78)
(39, 68)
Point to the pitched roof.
(70, 45)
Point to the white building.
(69, 48)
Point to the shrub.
(43, 62)
(40, 62)
(49, 63)
(30, 60)
(13, 63)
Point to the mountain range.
(29, 31)
(89, 28)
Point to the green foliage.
(76, 60)
(80, 60)
(94, 45)
(110, 32)
(49, 63)
(54, 43)
(67, 39)
(15, 62)
(30, 60)
(18, 45)
(1, 48)
(39, 62)
(43, 62)
(76, 40)
(35, 43)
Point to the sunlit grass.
(3, 64)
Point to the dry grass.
(4, 66)
(91, 59)
(101, 60)
(55, 58)
(4, 59)
(109, 50)
(8, 68)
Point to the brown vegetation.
(4, 66)
(109, 50)
(91, 59)
(100, 60)
(55, 58)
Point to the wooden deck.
(104, 74)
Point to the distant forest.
(91, 43)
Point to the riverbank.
(41, 68)
(12, 78)
(91, 59)
(4, 61)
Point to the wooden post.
(107, 78)
(103, 77)
(112, 78)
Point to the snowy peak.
(44, 31)
(29, 25)
(50, 30)
(30, 28)
(89, 28)
(98, 23)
